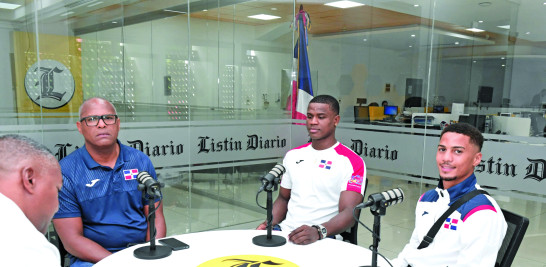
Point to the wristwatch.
(323, 233)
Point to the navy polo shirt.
(107, 200)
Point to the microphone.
(151, 186)
(272, 177)
(383, 199)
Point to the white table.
(205, 246)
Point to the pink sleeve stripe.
(421, 197)
(479, 208)
(356, 181)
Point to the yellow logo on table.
(247, 261)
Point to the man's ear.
(28, 175)
(477, 159)
(79, 125)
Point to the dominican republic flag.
(130, 174)
(302, 90)
(451, 224)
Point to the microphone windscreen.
(143, 176)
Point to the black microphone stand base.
(272, 241)
(147, 253)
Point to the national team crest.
(130, 174)
(356, 180)
(325, 164)
(451, 224)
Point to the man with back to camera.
(30, 179)
(101, 210)
(472, 234)
(324, 180)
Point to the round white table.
(205, 246)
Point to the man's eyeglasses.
(94, 120)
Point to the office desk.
(206, 246)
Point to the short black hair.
(475, 135)
(327, 99)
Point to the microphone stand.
(269, 240)
(378, 211)
(152, 251)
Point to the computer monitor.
(477, 121)
(438, 109)
(391, 110)
(362, 114)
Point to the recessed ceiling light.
(502, 57)
(474, 61)
(264, 17)
(480, 21)
(344, 4)
(114, 22)
(416, 5)
(8, 5)
(528, 33)
(413, 35)
(507, 27)
(273, 8)
(205, 10)
(411, 46)
(503, 65)
(365, 40)
(456, 43)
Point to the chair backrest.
(351, 234)
(517, 226)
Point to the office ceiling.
(384, 23)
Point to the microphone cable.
(373, 234)
(153, 232)
(257, 202)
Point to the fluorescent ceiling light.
(344, 4)
(507, 27)
(264, 17)
(94, 4)
(174, 11)
(67, 13)
(8, 5)
(474, 30)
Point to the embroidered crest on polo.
(325, 164)
(451, 224)
(130, 174)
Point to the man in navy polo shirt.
(100, 207)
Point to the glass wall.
(204, 89)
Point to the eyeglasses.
(94, 120)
